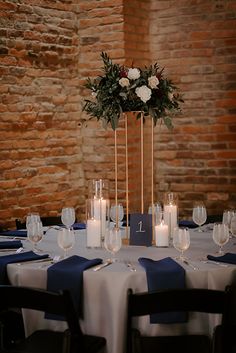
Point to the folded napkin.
(186, 223)
(164, 274)
(15, 233)
(68, 274)
(77, 226)
(11, 244)
(21, 257)
(228, 258)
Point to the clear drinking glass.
(66, 239)
(220, 235)
(199, 214)
(68, 216)
(233, 225)
(181, 241)
(117, 213)
(112, 242)
(32, 217)
(35, 234)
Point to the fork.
(130, 266)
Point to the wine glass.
(66, 239)
(181, 241)
(233, 225)
(220, 235)
(35, 234)
(199, 214)
(112, 242)
(117, 213)
(68, 216)
(32, 217)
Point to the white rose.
(144, 93)
(133, 74)
(124, 82)
(94, 94)
(170, 96)
(153, 81)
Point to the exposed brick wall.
(48, 49)
(196, 42)
(40, 148)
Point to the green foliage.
(122, 89)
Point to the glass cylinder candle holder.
(171, 211)
(98, 188)
(156, 210)
(161, 232)
(97, 220)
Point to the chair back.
(56, 303)
(186, 300)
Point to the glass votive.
(171, 211)
(97, 220)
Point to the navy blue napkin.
(228, 258)
(164, 274)
(21, 257)
(11, 244)
(77, 226)
(186, 223)
(68, 274)
(15, 233)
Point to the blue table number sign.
(141, 229)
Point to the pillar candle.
(170, 217)
(162, 234)
(93, 233)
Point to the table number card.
(140, 229)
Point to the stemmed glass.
(181, 241)
(112, 242)
(226, 219)
(117, 213)
(68, 216)
(199, 214)
(220, 235)
(233, 225)
(31, 218)
(35, 234)
(66, 239)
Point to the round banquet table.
(105, 291)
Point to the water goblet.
(117, 213)
(35, 234)
(66, 239)
(220, 235)
(112, 242)
(199, 214)
(233, 225)
(32, 217)
(68, 216)
(181, 241)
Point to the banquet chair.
(186, 300)
(60, 305)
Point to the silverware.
(47, 259)
(214, 263)
(104, 264)
(130, 266)
(191, 265)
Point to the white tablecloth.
(105, 291)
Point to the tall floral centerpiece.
(119, 90)
(122, 89)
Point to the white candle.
(162, 234)
(99, 212)
(93, 233)
(170, 217)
